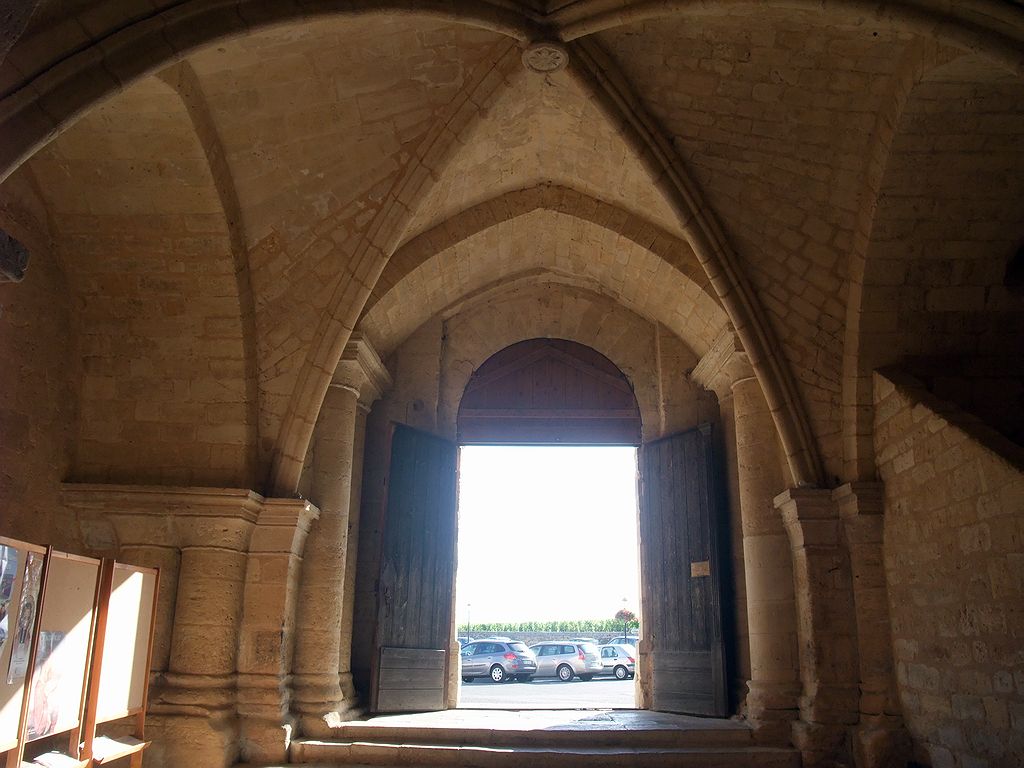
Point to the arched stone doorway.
(553, 391)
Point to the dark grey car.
(499, 659)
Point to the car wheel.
(565, 673)
(498, 674)
(467, 679)
(621, 673)
(585, 678)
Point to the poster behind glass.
(65, 637)
(28, 601)
(8, 575)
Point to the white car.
(619, 660)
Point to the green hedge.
(578, 625)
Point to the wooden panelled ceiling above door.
(549, 391)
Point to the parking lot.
(599, 693)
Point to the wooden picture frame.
(126, 617)
(94, 611)
(62, 655)
(13, 701)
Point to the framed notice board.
(76, 640)
(56, 696)
(21, 578)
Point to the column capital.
(176, 516)
(810, 517)
(860, 498)
(723, 365)
(298, 512)
(806, 504)
(361, 370)
(283, 526)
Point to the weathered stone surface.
(956, 638)
(837, 189)
(13, 259)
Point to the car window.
(518, 647)
(588, 648)
(568, 649)
(608, 652)
(469, 650)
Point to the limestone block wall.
(954, 558)
(165, 396)
(38, 376)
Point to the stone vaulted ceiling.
(250, 173)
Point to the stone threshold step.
(380, 754)
(557, 737)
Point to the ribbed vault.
(544, 130)
(743, 128)
(574, 250)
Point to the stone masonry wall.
(954, 558)
(37, 378)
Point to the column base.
(321, 726)
(265, 740)
(265, 724)
(821, 745)
(192, 721)
(881, 742)
(320, 704)
(208, 739)
(771, 709)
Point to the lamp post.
(625, 624)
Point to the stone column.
(880, 739)
(739, 672)
(351, 557)
(774, 684)
(266, 641)
(825, 623)
(319, 699)
(194, 709)
(207, 532)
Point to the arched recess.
(548, 391)
(433, 365)
(946, 224)
(160, 312)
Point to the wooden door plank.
(679, 514)
(417, 575)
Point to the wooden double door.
(681, 574)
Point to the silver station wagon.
(500, 659)
(567, 659)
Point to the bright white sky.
(546, 533)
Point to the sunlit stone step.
(323, 753)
